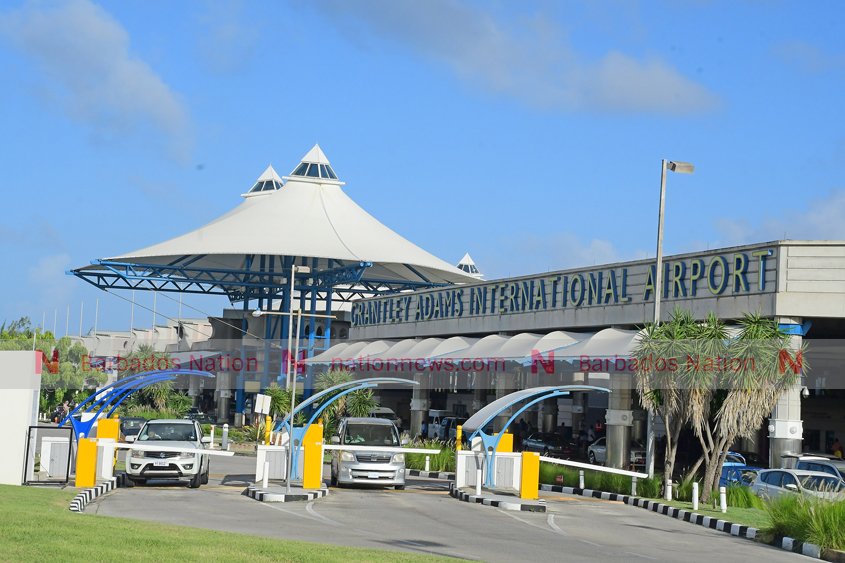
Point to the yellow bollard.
(505, 443)
(459, 434)
(86, 462)
(312, 462)
(268, 428)
(529, 482)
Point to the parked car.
(195, 414)
(434, 426)
(131, 425)
(832, 466)
(387, 414)
(549, 444)
(772, 483)
(597, 453)
(449, 427)
(189, 463)
(361, 467)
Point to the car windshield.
(129, 424)
(370, 435)
(170, 432)
(820, 483)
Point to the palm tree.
(357, 403)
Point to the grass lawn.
(37, 526)
(754, 517)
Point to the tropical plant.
(728, 382)
(356, 403)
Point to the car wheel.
(137, 481)
(204, 479)
(592, 458)
(196, 481)
(400, 487)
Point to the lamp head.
(257, 313)
(680, 167)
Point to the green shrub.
(808, 519)
(443, 461)
(742, 497)
(649, 488)
(684, 490)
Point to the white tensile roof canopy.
(303, 217)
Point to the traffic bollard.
(478, 482)
(668, 490)
(723, 499)
(633, 486)
(695, 496)
(266, 476)
(427, 463)
(580, 478)
(224, 440)
(211, 445)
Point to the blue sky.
(527, 133)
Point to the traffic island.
(503, 501)
(81, 500)
(278, 493)
(431, 474)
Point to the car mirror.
(791, 487)
(206, 439)
(335, 439)
(404, 442)
(130, 439)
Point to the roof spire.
(267, 183)
(468, 265)
(315, 167)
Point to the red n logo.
(795, 365)
(547, 363)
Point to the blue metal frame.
(116, 393)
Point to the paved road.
(423, 518)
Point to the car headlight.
(398, 458)
(136, 453)
(347, 456)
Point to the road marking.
(310, 509)
(550, 520)
(640, 555)
(533, 525)
(594, 544)
(290, 512)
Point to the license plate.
(161, 464)
(373, 475)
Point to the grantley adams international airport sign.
(744, 271)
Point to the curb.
(739, 530)
(81, 500)
(431, 474)
(264, 495)
(503, 504)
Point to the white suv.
(184, 435)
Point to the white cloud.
(544, 253)
(821, 219)
(85, 54)
(533, 64)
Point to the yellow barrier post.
(268, 428)
(505, 443)
(529, 482)
(86, 462)
(459, 434)
(312, 462)
(109, 428)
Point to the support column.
(419, 404)
(619, 418)
(786, 429)
(503, 387)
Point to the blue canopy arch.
(474, 426)
(341, 389)
(111, 396)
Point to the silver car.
(361, 467)
(597, 453)
(183, 434)
(772, 483)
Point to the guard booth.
(50, 452)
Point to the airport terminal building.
(299, 242)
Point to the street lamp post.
(680, 168)
(291, 377)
